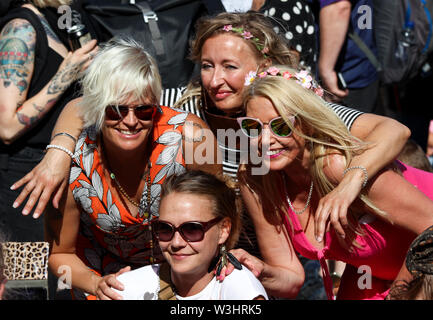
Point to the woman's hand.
(254, 264)
(103, 289)
(335, 204)
(49, 177)
(73, 65)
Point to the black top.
(46, 64)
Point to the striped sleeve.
(347, 115)
(171, 95)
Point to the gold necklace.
(123, 192)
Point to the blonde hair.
(320, 127)
(51, 3)
(121, 70)
(275, 47)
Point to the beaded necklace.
(140, 206)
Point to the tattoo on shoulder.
(190, 132)
(17, 46)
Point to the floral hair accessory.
(249, 78)
(247, 36)
(301, 77)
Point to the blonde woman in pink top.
(308, 151)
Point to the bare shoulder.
(334, 165)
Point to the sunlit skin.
(285, 153)
(225, 61)
(190, 261)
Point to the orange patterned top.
(109, 236)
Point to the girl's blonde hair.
(121, 70)
(322, 130)
(275, 47)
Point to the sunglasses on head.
(190, 231)
(253, 127)
(142, 112)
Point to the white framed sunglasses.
(253, 127)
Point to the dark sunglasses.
(143, 112)
(191, 231)
(253, 127)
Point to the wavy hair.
(121, 70)
(275, 46)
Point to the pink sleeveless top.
(382, 251)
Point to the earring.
(226, 257)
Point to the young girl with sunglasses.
(128, 147)
(199, 220)
(308, 151)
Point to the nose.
(178, 241)
(217, 78)
(266, 139)
(130, 119)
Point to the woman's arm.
(280, 272)
(19, 113)
(387, 138)
(61, 232)
(50, 176)
(201, 150)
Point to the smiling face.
(129, 133)
(283, 151)
(225, 61)
(190, 260)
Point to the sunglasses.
(253, 127)
(191, 231)
(143, 112)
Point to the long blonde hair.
(276, 47)
(326, 132)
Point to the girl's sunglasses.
(191, 231)
(143, 112)
(253, 127)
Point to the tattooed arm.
(17, 57)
